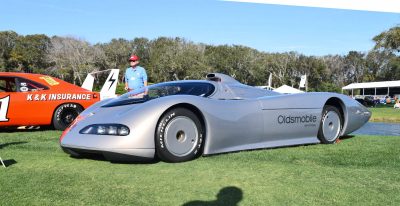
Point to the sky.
(265, 27)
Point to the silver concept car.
(181, 120)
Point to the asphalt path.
(379, 128)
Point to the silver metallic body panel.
(236, 117)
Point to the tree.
(29, 52)
(393, 72)
(282, 65)
(355, 67)
(237, 61)
(170, 59)
(141, 47)
(177, 58)
(387, 49)
(316, 71)
(388, 40)
(335, 65)
(117, 53)
(72, 58)
(7, 43)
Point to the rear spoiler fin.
(109, 86)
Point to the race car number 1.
(4, 108)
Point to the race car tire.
(179, 136)
(331, 125)
(65, 114)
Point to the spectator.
(135, 75)
(388, 100)
(397, 105)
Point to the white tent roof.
(372, 85)
(285, 89)
(265, 87)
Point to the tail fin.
(110, 86)
(88, 83)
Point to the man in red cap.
(135, 76)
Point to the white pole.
(2, 163)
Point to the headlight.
(106, 129)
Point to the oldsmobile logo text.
(297, 119)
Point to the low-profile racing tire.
(179, 136)
(331, 125)
(65, 114)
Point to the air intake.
(213, 77)
(217, 77)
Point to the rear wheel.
(179, 136)
(65, 114)
(331, 125)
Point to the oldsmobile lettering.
(297, 119)
(55, 97)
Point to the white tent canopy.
(372, 85)
(285, 89)
(386, 88)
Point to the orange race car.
(37, 100)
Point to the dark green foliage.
(29, 53)
(7, 43)
(327, 87)
(168, 59)
(388, 43)
(394, 69)
(388, 40)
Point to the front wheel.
(179, 136)
(65, 114)
(331, 125)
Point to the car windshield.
(154, 91)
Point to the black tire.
(331, 125)
(179, 136)
(65, 114)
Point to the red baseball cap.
(133, 58)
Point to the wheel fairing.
(331, 125)
(181, 136)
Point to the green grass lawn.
(361, 170)
(385, 114)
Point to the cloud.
(392, 6)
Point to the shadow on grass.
(342, 138)
(9, 162)
(102, 158)
(26, 129)
(261, 149)
(11, 143)
(99, 155)
(346, 137)
(229, 196)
